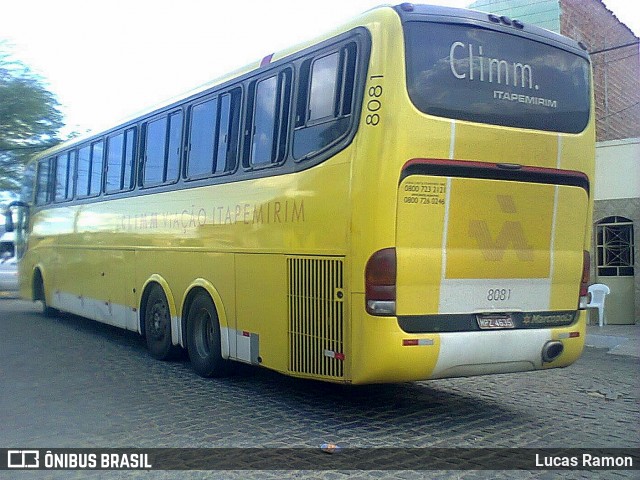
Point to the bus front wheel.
(203, 338)
(39, 294)
(157, 325)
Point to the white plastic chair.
(597, 293)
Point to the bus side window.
(228, 129)
(62, 174)
(174, 147)
(271, 104)
(162, 146)
(115, 145)
(28, 184)
(82, 173)
(202, 127)
(120, 161)
(154, 152)
(71, 174)
(264, 121)
(65, 168)
(43, 187)
(213, 135)
(128, 173)
(325, 99)
(324, 83)
(96, 168)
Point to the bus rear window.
(471, 73)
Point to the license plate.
(495, 321)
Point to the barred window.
(614, 244)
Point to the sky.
(105, 60)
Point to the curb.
(616, 345)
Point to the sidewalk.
(619, 339)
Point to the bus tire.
(49, 312)
(39, 294)
(157, 325)
(203, 338)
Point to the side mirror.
(8, 220)
(8, 215)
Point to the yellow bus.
(406, 198)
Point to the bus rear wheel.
(157, 325)
(203, 338)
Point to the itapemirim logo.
(511, 235)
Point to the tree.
(30, 118)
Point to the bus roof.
(406, 11)
(415, 12)
(252, 67)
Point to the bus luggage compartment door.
(474, 245)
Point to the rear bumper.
(382, 352)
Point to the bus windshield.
(471, 73)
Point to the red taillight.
(380, 282)
(586, 267)
(584, 281)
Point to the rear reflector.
(564, 335)
(380, 282)
(332, 354)
(416, 342)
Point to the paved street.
(71, 382)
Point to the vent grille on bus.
(316, 316)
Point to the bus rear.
(490, 149)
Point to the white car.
(8, 263)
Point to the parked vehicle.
(8, 263)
